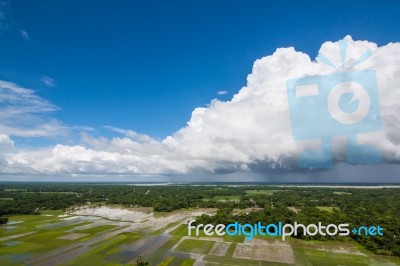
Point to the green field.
(45, 240)
(195, 246)
(100, 253)
(97, 229)
(336, 253)
(6, 199)
(14, 189)
(226, 198)
(159, 253)
(153, 226)
(172, 261)
(26, 224)
(217, 260)
(326, 208)
(305, 252)
(52, 192)
(342, 193)
(262, 192)
(38, 242)
(51, 212)
(29, 236)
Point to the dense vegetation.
(287, 204)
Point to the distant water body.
(343, 186)
(283, 185)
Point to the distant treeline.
(301, 204)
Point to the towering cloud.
(251, 131)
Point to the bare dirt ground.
(219, 249)
(258, 249)
(294, 209)
(110, 213)
(342, 250)
(16, 236)
(140, 219)
(245, 211)
(337, 247)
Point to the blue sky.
(146, 65)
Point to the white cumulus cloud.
(253, 128)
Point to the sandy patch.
(342, 250)
(81, 218)
(219, 249)
(141, 219)
(119, 214)
(245, 211)
(294, 209)
(259, 249)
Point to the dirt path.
(16, 236)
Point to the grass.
(14, 189)
(308, 253)
(381, 260)
(262, 192)
(230, 250)
(99, 254)
(52, 212)
(342, 193)
(188, 262)
(96, 229)
(180, 231)
(227, 198)
(322, 253)
(28, 224)
(7, 199)
(39, 242)
(326, 208)
(234, 239)
(51, 192)
(206, 199)
(29, 218)
(163, 229)
(350, 246)
(195, 246)
(158, 255)
(319, 257)
(172, 261)
(106, 252)
(166, 261)
(237, 261)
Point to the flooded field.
(88, 235)
(117, 236)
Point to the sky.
(180, 90)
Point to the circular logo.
(348, 103)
